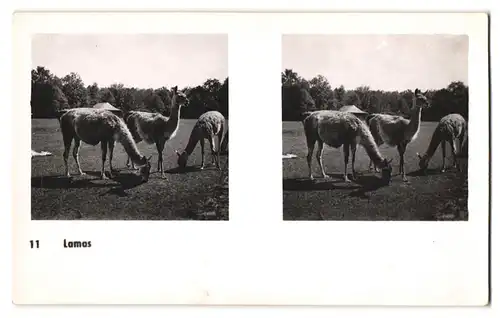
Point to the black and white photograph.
(129, 127)
(355, 117)
(375, 127)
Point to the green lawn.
(435, 196)
(188, 194)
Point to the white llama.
(209, 125)
(336, 129)
(154, 128)
(94, 126)
(450, 128)
(397, 131)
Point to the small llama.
(209, 125)
(450, 128)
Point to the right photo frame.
(375, 127)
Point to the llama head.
(423, 161)
(145, 170)
(386, 170)
(182, 159)
(183, 100)
(420, 100)
(180, 97)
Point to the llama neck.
(124, 137)
(433, 144)
(416, 114)
(193, 139)
(176, 113)
(367, 141)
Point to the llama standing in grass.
(209, 125)
(94, 126)
(337, 129)
(154, 128)
(450, 128)
(397, 131)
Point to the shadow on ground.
(179, 170)
(361, 185)
(125, 180)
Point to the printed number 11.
(35, 244)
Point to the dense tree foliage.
(49, 94)
(299, 95)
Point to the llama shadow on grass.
(127, 181)
(426, 172)
(75, 181)
(179, 170)
(335, 182)
(368, 183)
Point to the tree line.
(300, 95)
(50, 94)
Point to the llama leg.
(454, 153)
(219, 144)
(76, 150)
(460, 149)
(104, 148)
(319, 157)
(309, 159)
(67, 145)
(111, 147)
(220, 137)
(159, 146)
(346, 161)
(214, 153)
(443, 151)
(401, 150)
(202, 147)
(353, 150)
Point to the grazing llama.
(451, 127)
(94, 126)
(154, 128)
(209, 125)
(335, 129)
(397, 131)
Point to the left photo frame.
(129, 126)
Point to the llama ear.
(417, 91)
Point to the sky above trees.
(385, 62)
(144, 60)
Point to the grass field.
(435, 196)
(187, 194)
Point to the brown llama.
(93, 126)
(154, 128)
(397, 131)
(209, 125)
(336, 129)
(450, 128)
